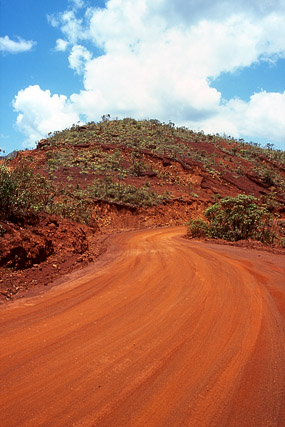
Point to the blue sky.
(212, 65)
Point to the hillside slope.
(146, 163)
(123, 174)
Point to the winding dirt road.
(161, 331)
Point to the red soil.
(161, 331)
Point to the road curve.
(161, 332)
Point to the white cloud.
(61, 45)
(40, 112)
(11, 46)
(263, 116)
(158, 59)
(191, 12)
(77, 3)
(206, 46)
(78, 58)
(69, 24)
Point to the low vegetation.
(236, 218)
(22, 191)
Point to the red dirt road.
(161, 331)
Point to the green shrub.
(21, 191)
(8, 187)
(197, 228)
(235, 218)
(238, 218)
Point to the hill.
(120, 174)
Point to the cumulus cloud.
(12, 46)
(158, 58)
(61, 45)
(40, 112)
(263, 116)
(78, 58)
(69, 24)
(189, 12)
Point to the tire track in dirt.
(162, 332)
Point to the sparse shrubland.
(137, 164)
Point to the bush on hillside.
(21, 191)
(7, 190)
(235, 218)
